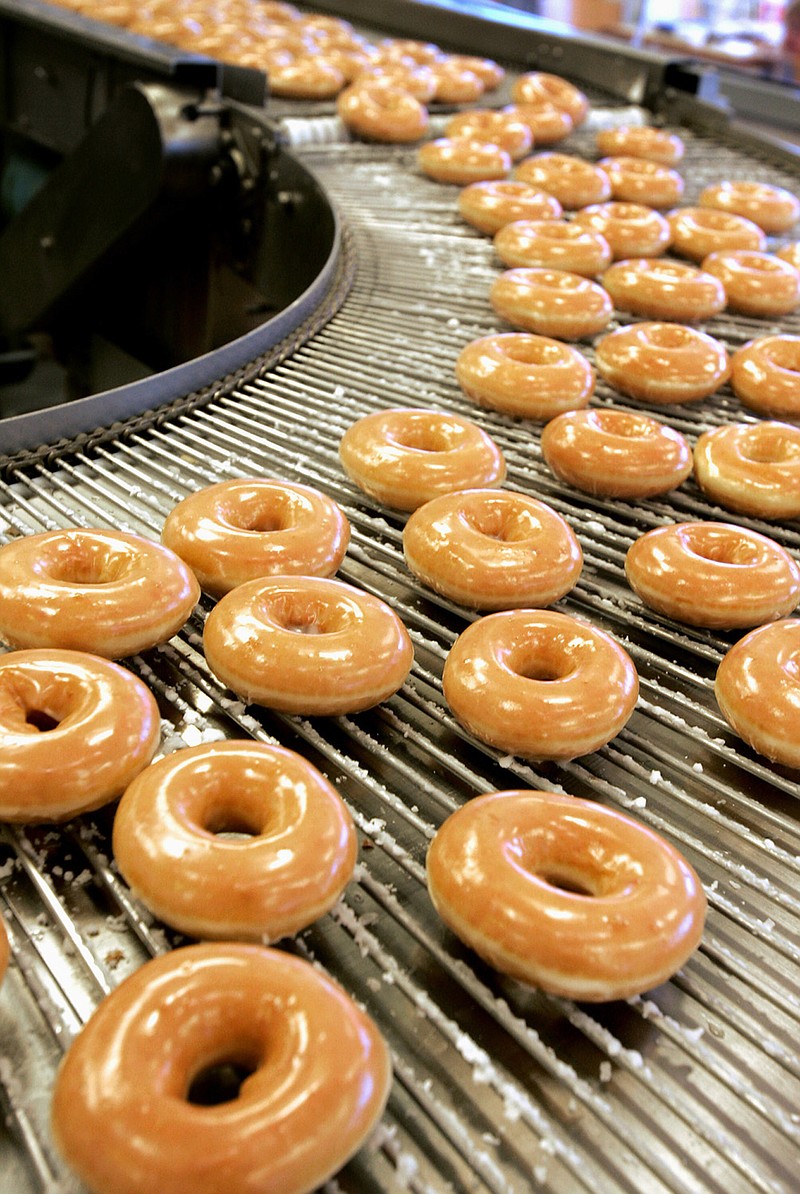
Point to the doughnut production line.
(319, 279)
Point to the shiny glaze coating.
(636, 180)
(664, 289)
(74, 731)
(121, 1115)
(539, 684)
(755, 283)
(713, 574)
(307, 645)
(616, 453)
(547, 122)
(551, 302)
(565, 894)
(773, 208)
(698, 231)
(752, 468)
(404, 457)
(460, 161)
(765, 375)
(758, 690)
(380, 110)
(631, 229)
(303, 76)
(498, 128)
(239, 530)
(663, 362)
(101, 591)
(454, 83)
(656, 145)
(490, 549)
(553, 244)
(291, 868)
(491, 204)
(490, 73)
(790, 252)
(537, 87)
(574, 181)
(533, 377)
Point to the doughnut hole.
(575, 862)
(545, 662)
(724, 548)
(308, 615)
(220, 1082)
(425, 437)
(783, 353)
(771, 445)
(84, 563)
(498, 521)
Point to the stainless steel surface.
(692, 1087)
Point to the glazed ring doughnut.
(290, 869)
(238, 530)
(488, 206)
(379, 110)
(406, 457)
(773, 208)
(551, 302)
(539, 684)
(537, 87)
(656, 145)
(637, 180)
(489, 549)
(630, 229)
(664, 289)
(553, 244)
(574, 182)
(105, 592)
(490, 73)
(74, 731)
(698, 231)
(662, 362)
(548, 124)
(756, 283)
(459, 161)
(497, 128)
(615, 453)
(714, 575)
(427, 53)
(758, 692)
(532, 881)
(313, 1076)
(303, 76)
(532, 377)
(307, 645)
(790, 252)
(455, 84)
(765, 375)
(752, 468)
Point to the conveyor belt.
(692, 1087)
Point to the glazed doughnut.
(489, 549)
(664, 289)
(790, 252)
(404, 457)
(532, 377)
(532, 881)
(459, 161)
(758, 693)
(630, 229)
(490, 73)
(537, 87)
(551, 302)
(238, 530)
(105, 592)
(637, 180)
(713, 574)
(765, 375)
(489, 205)
(380, 111)
(553, 244)
(307, 645)
(756, 283)
(656, 145)
(752, 468)
(74, 731)
(427, 53)
(773, 208)
(498, 128)
(539, 684)
(616, 453)
(303, 76)
(662, 362)
(574, 182)
(548, 124)
(698, 231)
(455, 84)
(290, 869)
(314, 1077)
